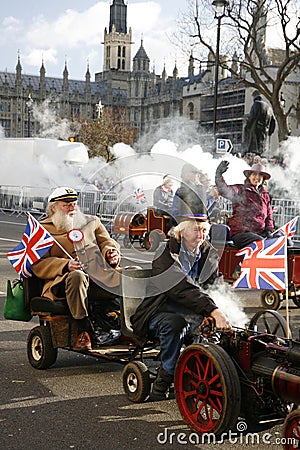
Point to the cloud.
(71, 29)
(10, 23)
(37, 55)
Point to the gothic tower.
(117, 42)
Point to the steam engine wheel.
(207, 388)
(271, 322)
(291, 430)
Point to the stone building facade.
(133, 85)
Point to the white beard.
(66, 222)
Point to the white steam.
(227, 300)
(160, 152)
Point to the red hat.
(257, 168)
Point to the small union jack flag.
(290, 228)
(263, 266)
(139, 196)
(35, 243)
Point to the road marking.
(13, 223)
(10, 240)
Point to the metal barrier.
(21, 199)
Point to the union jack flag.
(264, 264)
(290, 228)
(35, 243)
(139, 196)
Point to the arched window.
(191, 110)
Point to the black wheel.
(40, 351)
(270, 299)
(153, 239)
(291, 430)
(207, 388)
(296, 301)
(270, 322)
(136, 381)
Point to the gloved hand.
(222, 167)
(268, 234)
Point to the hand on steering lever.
(221, 321)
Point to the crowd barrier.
(21, 199)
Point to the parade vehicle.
(269, 298)
(58, 330)
(149, 229)
(146, 227)
(250, 374)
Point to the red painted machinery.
(148, 228)
(250, 375)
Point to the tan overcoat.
(53, 267)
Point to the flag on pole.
(139, 196)
(290, 228)
(35, 243)
(264, 265)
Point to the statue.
(260, 125)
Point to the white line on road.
(10, 240)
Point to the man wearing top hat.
(87, 250)
(252, 217)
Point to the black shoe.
(105, 338)
(161, 386)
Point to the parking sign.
(223, 146)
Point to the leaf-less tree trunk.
(243, 35)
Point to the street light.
(29, 104)
(220, 7)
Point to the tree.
(243, 40)
(110, 128)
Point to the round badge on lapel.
(75, 235)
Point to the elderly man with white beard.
(65, 275)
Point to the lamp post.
(220, 7)
(29, 104)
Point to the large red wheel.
(291, 430)
(207, 388)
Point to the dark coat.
(251, 208)
(189, 199)
(169, 282)
(163, 200)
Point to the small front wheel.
(296, 301)
(40, 351)
(136, 381)
(270, 299)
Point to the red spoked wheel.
(207, 388)
(291, 430)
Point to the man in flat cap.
(81, 264)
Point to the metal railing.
(21, 199)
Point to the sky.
(73, 31)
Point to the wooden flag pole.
(286, 291)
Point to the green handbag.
(14, 308)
